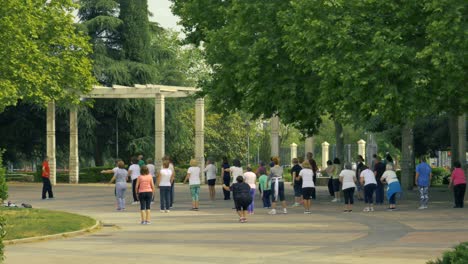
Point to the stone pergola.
(158, 92)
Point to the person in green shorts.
(265, 186)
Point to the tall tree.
(44, 58)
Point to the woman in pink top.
(251, 178)
(145, 190)
(458, 182)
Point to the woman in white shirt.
(308, 185)
(236, 170)
(370, 184)
(210, 171)
(251, 178)
(348, 181)
(134, 173)
(393, 185)
(165, 180)
(193, 176)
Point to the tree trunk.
(339, 141)
(407, 157)
(461, 138)
(453, 127)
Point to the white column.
(200, 134)
(51, 140)
(325, 158)
(73, 160)
(309, 145)
(293, 151)
(275, 144)
(159, 122)
(362, 148)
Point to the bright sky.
(162, 14)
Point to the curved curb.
(84, 231)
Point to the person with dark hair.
(226, 176)
(423, 181)
(306, 175)
(242, 198)
(388, 159)
(379, 169)
(313, 165)
(46, 186)
(165, 180)
(251, 178)
(277, 186)
(328, 171)
(210, 171)
(359, 168)
(134, 173)
(297, 182)
(264, 183)
(145, 189)
(336, 179)
(171, 167)
(120, 177)
(458, 183)
(348, 181)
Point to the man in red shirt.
(46, 186)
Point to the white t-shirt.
(389, 176)
(165, 175)
(348, 178)
(151, 169)
(194, 175)
(368, 176)
(236, 171)
(210, 172)
(135, 171)
(307, 178)
(250, 178)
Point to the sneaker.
(152, 202)
(162, 211)
(272, 212)
(143, 223)
(285, 211)
(167, 211)
(334, 200)
(367, 209)
(134, 203)
(371, 209)
(422, 207)
(148, 223)
(296, 205)
(346, 211)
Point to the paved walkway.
(213, 234)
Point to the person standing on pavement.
(210, 171)
(359, 168)
(348, 181)
(134, 173)
(193, 176)
(144, 188)
(458, 183)
(165, 180)
(120, 177)
(393, 185)
(423, 181)
(251, 178)
(379, 169)
(277, 184)
(297, 182)
(313, 165)
(171, 167)
(367, 179)
(152, 171)
(264, 183)
(261, 170)
(328, 171)
(306, 176)
(226, 176)
(46, 185)
(336, 179)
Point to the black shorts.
(280, 191)
(145, 200)
(212, 182)
(307, 192)
(336, 185)
(242, 203)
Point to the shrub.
(3, 184)
(457, 256)
(438, 175)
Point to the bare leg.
(143, 216)
(283, 204)
(148, 215)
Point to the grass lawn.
(23, 222)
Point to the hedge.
(457, 256)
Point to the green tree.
(3, 184)
(44, 58)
